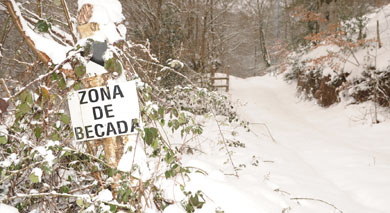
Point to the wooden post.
(212, 76)
(113, 147)
(227, 78)
(378, 34)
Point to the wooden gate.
(224, 78)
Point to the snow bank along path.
(332, 154)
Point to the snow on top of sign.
(55, 51)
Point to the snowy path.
(325, 154)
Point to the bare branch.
(16, 19)
(56, 68)
(67, 15)
(314, 199)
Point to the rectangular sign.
(103, 112)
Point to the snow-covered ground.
(319, 160)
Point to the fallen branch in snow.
(319, 200)
(269, 131)
(226, 147)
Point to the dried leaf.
(3, 106)
(85, 14)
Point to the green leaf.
(77, 86)
(45, 94)
(43, 26)
(150, 135)
(168, 174)
(161, 112)
(34, 178)
(3, 140)
(23, 108)
(155, 144)
(55, 137)
(80, 71)
(113, 208)
(62, 83)
(37, 132)
(112, 65)
(67, 153)
(194, 200)
(175, 113)
(110, 172)
(64, 189)
(23, 96)
(169, 157)
(65, 119)
(80, 202)
(54, 76)
(182, 118)
(108, 64)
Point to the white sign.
(102, 112)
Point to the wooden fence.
(213, 78)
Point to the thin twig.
(226, 147)
(67, 15)
(5, 87)
(319, 200)
(56, 68)
(269, 131)
(18, 171)
(55, 194)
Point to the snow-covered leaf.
(34, 178)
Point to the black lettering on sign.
(97, 112)
(105, 93)
(98, 134)
(110, 128)
(117, 91)
(122, 128)
(108, 111)
(134, 124)
(82, 97)
(89, 130)
(105, 130)
(93, 95)
(78, 131)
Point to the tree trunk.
(204, 41)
